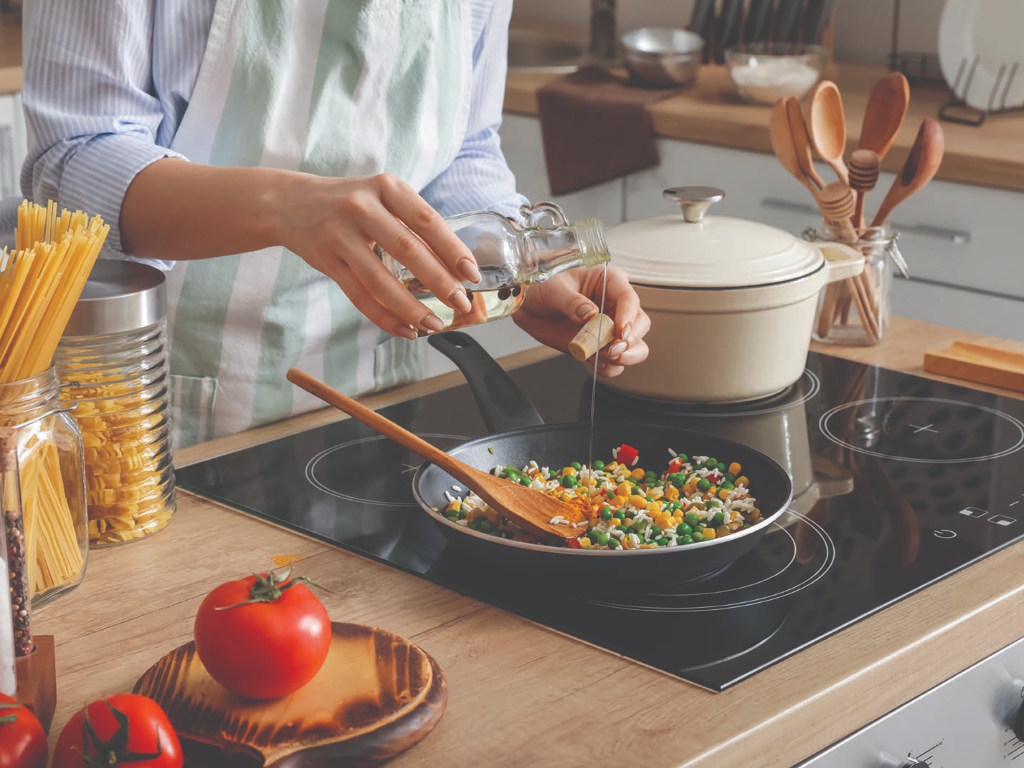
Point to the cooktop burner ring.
(823, 567)
(323, 487)
(1014, 444)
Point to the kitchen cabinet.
(957, 238)
(13, 144)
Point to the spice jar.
(857, 310)
(43, 495)
(112, 360)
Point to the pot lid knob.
(693, 200)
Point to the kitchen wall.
(863, 27)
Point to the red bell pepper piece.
(627, 455)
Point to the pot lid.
(698, 251)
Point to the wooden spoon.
(826, 125)
(884, 113)
(802, 142)
(918, 169)
(530, 509)
(782, 144)
(864, 166)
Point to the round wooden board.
(376, 695)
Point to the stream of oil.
(597, 360)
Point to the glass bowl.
(763, 73)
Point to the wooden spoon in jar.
(826, 125)
(530, 509)
(884, 113)
(918, 169)
(802, 141)
(782, 144)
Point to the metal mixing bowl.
(662, 56)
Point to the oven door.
(973, 719)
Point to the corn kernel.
(624, 489)
(672, 493)
(742, 480)
(723, 494)
(638, 474)
(735, 469)
(585, 543)
(638, 501)
(568, 472)
(709, 533)
(722, 530)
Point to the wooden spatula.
(532, 510)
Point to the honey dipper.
(864, 166)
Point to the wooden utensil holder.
(37, 680)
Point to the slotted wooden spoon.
(530, 509)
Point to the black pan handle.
(501, 402)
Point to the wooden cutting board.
(376, 695)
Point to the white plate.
(988, 37)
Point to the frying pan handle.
(501, 402)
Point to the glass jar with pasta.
(44, 512)
(112, 361)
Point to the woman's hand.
(554, 312)
(334, 225)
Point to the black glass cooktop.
(898, 481)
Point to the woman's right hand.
(333, 223)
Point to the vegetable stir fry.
(695, 498)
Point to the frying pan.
(557, 445)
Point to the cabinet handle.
(954, 236)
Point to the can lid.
(119, 296)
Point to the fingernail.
(627, 331)
(432, 322)
(585, 311)
(460, 301)
(468, 270)
(617, 349)
(405, 331)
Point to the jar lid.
(119, 296)
(698, 251)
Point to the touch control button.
(944, 533)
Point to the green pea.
(526, 480)
(462, 514)
(682, 457)
(721, 467)
(718, 519)
(623, 528)
(682, 529)
(728, 486)
(619, 514)
(713, 503)
(485, 526)
(613, 543)
(453, 518)
(569, 481)
(729, 477)
(649, 499)
(687, 539)
(711, 463)
(703, 484)
(691, 518)
(606, 513)
(662, 542)
(655, 531)
(598, 465)
(602, 539)
(576, 465)
(552, 474)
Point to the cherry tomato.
(123, 729)
(263, 636)
(22, 739)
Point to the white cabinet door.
(13, 147)
(524, 150)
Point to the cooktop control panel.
(973, 720)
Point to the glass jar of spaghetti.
(112, 361)
(43, 495)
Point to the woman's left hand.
(554, 312)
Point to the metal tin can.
(112, 362)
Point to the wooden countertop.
(517, 688)
(712, 113)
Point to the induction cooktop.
(899, 481)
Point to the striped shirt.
(108, 81)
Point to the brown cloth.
(595, 127)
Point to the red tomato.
(22, 739)
(263, 636)
(123, 729)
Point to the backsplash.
(863, 27)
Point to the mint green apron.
(335, 88)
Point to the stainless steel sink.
(532, 50)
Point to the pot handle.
(841, 261)
(502, 404)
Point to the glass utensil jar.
(510, 259)
(44, 504)
(112, 360)
(856, 311)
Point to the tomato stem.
(268, 587)
(113, 751)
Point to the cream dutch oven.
(731, 301)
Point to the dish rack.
(924, 70)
